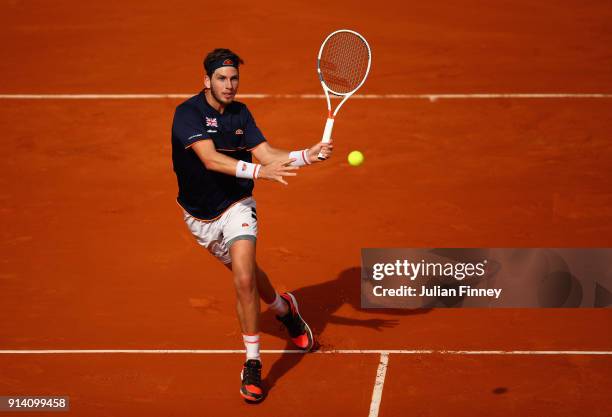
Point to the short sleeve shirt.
(206, 194)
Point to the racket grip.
(329, 125)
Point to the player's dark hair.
(219, 54)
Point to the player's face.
(223, 84)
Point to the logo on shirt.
(211, 122)
(239, 132)
(245, 225)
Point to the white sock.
(251, 343)
(279, 306)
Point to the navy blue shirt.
(202, 193)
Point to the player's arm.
(267, 154)
(216, 161)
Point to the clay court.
(483, 124)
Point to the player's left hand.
(325, 148)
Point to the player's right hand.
(323, 149)
(275, 171)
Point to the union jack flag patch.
(211, 122)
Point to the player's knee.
(245, 282)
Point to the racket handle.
(329, 125)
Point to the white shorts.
(236, 223)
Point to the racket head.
(344, 62)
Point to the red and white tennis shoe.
(299, 331)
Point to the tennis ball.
(355, 158)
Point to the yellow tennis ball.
(355, 158)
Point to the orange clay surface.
(94, 253)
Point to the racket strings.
(344, 62)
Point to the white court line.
(430, 97)
(381, 372)
(331, 351)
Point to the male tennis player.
(213, 139)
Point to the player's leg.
(243, 269)
(239, 237)
(264, 286)
(242, 252)
(213, 236)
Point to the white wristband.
(301, 158)
(247, 170)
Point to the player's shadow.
(318, 305)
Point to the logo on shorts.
(211, 122)
(228, 62)
(239, 132)
(245, 225)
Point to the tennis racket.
(343, 66)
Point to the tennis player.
(213, 140)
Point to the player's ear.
(206, 81)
